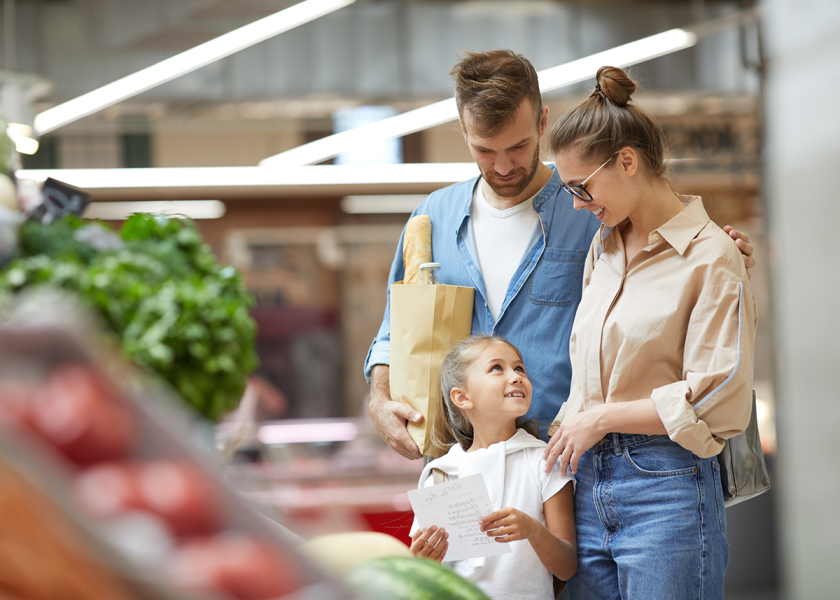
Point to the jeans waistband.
(617, 441)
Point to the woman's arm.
(555, 542)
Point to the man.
(512, 234)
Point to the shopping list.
(456, 506)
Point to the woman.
(662, 358)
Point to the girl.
(662, 354)
(484, 392)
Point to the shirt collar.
(685, 226)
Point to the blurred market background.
(241, 135)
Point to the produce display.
(96, 463)
(104, 491)
(42, 556)
(176, 311)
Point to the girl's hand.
(430, 543)
(508, 525)
(577, 434)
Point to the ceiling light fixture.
(381, 204)
(223, 177)
(550, 79)
(183, 63)
(119, 211)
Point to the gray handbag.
(743, 474)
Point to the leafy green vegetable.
(177, 311)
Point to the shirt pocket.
(557, 277)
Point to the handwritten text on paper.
(456, 506)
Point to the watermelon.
(409, 578)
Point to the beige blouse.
(676, 325)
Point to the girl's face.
(607, 186)
(497, 385)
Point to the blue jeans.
(650, 522)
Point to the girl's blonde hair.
(450, 425)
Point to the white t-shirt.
(519, 574)
(501, 238)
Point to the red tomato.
(107, 489)
(78, 412)
(245, 567)
(15, 399)
(178, 492)
(182, 494)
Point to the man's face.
(508, 161)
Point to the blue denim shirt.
(540, 304)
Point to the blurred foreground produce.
(135, 511)
(409, 578)
(339, 553)
(42, 554)
(159, 287)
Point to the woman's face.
(607, 186)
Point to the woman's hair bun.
(614, 84)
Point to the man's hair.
(491, 86)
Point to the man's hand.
(389, 417)
(430, 543)
(508, 525)
(742, 242)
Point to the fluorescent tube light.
(183, 63)
(119, 211)
(381, 204)
(550, 79)
(221, 177)
(333, 145)
(621, 56)
(307, 432)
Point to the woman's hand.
(577, 434)
(508, 525)
(430, 543)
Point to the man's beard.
(511, 190)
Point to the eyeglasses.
(578, 189)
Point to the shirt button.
(656, 236)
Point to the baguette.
(417, 246)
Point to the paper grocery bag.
(426, 320)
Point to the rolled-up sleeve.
(713, 401)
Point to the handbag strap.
(439, 476)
